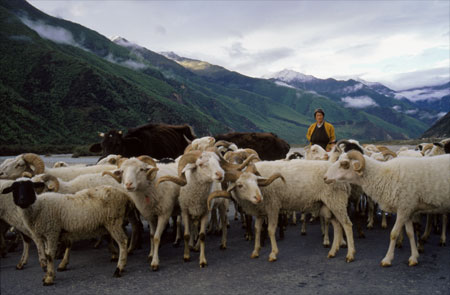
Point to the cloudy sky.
(399, 43)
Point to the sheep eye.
(345, 165)
(118, 173)
(240, 186)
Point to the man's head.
(319, 114)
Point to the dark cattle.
(155, 140)
(268, 145)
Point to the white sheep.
(156, 204)
(303, 190)
(52, 216)
(31, 163)
(11, 214)
(403, 186)
(197, 172)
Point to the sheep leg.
(178, 229)
(248, 227)
(383, 220)
(370, 213)
(444, 230)
(152, 237)
(202, 237)
(399, 242)
(294, 218)
(426, 234)
(224, 221)
(399, 222)
(212, 226)
(117, 233)
(65, 261)
(25, 252)
(341, 215)
(272, 226)
(51, 246)
(185, 218)
(136, 230)
(303, 221)
(325, 216)
(162, 222)
(337, 237)
(258, 227)
(414, 253)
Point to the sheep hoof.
(254, 255)
(412, 262)
(272, 259)
(203, 264)
(176, 244)
(326, 245)
(385, 264)
(117, 273)
(19, 266)
(349, 259)
(155, 267)
(398, 246)
(48, 284)
(223, 247)
(442, 244)
(362, 236)
(62, 268)
(303, 233)
(186, 259)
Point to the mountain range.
(61, 83)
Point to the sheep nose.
(258, 198)
(129, 185)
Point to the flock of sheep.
(54, 207)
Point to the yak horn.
(181, 181)
(355, 155)
(48, 177)
(35, 161)
(147, 159)
(267, 181)
(217, 194)
(118, 178)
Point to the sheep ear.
(7, 190)
(189, 166)
(231, 187)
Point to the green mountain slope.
(440, 129)
(64, 93)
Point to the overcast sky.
(399, 43)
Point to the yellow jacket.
(329, 129)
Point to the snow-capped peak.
(123, 42)
(290, 75)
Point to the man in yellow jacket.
(321, 132)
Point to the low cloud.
(129, 63)
(358, 102)
(55, 34)
(354, 88)
(423, 94)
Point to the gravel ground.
(302, 267)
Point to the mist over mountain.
(61, 83)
